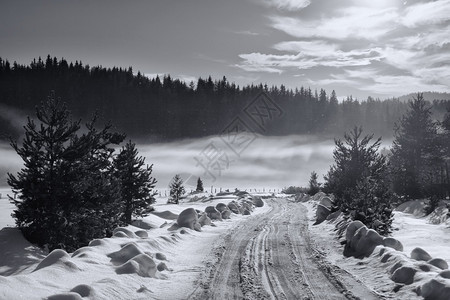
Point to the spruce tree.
(314, 185)
(199, 185)
(358, 180)
(415, 155)
(67, 192)
(40, 209)
(176, 189)
(136, 182)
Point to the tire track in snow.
(271, 256)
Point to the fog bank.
(262, 162)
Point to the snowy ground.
(26, 273)
(90, 269)
(6, 208)
(412, 231)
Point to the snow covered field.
(100, 271)
(104, 269)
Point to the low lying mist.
(265, 162)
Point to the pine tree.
(136, 182)
(67, 192)
(314, 185)
(415, 153)
(39, 212)
(358, 181)
(199, 185)
(176, 189)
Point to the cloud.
(335, 79)
(374, 81)
(424, 13)
(352, 22)
(289, 5)
(247, 32)
(306, 58)
(386, 47)
(423, 38)
(312, 48)
(400, 85)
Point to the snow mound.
(257, 201)
(445, 274)
(420, 254)
(66, 296)
(226, 214)
(141, 233)
(204, 220)
(188, 218)
(127, 252)
(82, 252)
(124, 232)
(393, 243)
(168, 215)
(97, 242)
(221, 207)
(234, 207)
(213, 213)
(361, 241)
(436, 289)
(404, 274)
(162, 267)
(439, 263)
(440, 214)
(141, 264)
(322, 213)
(83, 290)
(414, 207)
(57, 257)
(160, 256)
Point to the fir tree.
(67, 194)
(39, 211)
(415, 153)
(358, 181)
(314, 185)
(136, 182)
(176, 189)
(199, 185)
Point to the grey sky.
(361, 47)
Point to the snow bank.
(410, 266)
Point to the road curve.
(271, 256)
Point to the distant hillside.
(429, 96)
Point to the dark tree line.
(166, 108)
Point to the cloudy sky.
(381, 48)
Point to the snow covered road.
(271, 256)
